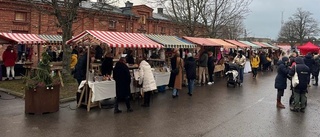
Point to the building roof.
(97, 5)
(160, 16)
(170, 41)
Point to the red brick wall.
(37, 23)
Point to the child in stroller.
(232, 75)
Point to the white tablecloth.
(161, 78)
(100, 90)
(247, 67)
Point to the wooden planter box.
(42, 100)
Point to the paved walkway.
(213, 111)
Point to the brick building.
(17, 16)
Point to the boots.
(279, 104)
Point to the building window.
(142, 19)
(112, 24)
(163, 30)
(20, 16)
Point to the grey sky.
(264, 20)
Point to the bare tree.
(288, 33)
(221, 14)
(305, 24)
(211, 18)
(67, 13)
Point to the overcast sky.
(264, 20)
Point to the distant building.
(268, 40)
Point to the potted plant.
(42, 88)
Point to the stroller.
(232, 75)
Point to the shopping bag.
(295, 78)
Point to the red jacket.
(9, 58)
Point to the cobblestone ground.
(213, 111)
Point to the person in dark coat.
(316, 69)
(211, 61)
(99, 52)
(107, 65)
(300, 90)
(309, 61)
(80, 70)
(9, 58)
(281, 79)
(190, 67)
(122, 77)
(173, 62)
(263, 60)
(129, 58)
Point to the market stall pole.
(88, 92)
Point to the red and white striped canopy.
(119, 39)
(23, 38)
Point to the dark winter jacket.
(203, 61)
(263, 59)
(130, 59)
(107, 66)
(303, 75)
(190, 67)
(309, 61)
(316, 67)
(172, 79)
(281, 78)
(80, 68)
(211, 61)
(99, 53)
(122, 77)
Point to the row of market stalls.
(130, 40)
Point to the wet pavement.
(213, 111)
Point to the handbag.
(176, 70)
(295, 78)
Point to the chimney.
(129, 4)
(160, 10)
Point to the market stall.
(308, 47)
(29, 40)
(261, 45)
(267, 44)
(169, 42)
(207, 43)
(253, 46)
(238, 44)
(113, 40)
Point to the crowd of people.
(303, 68)
(203, 66)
